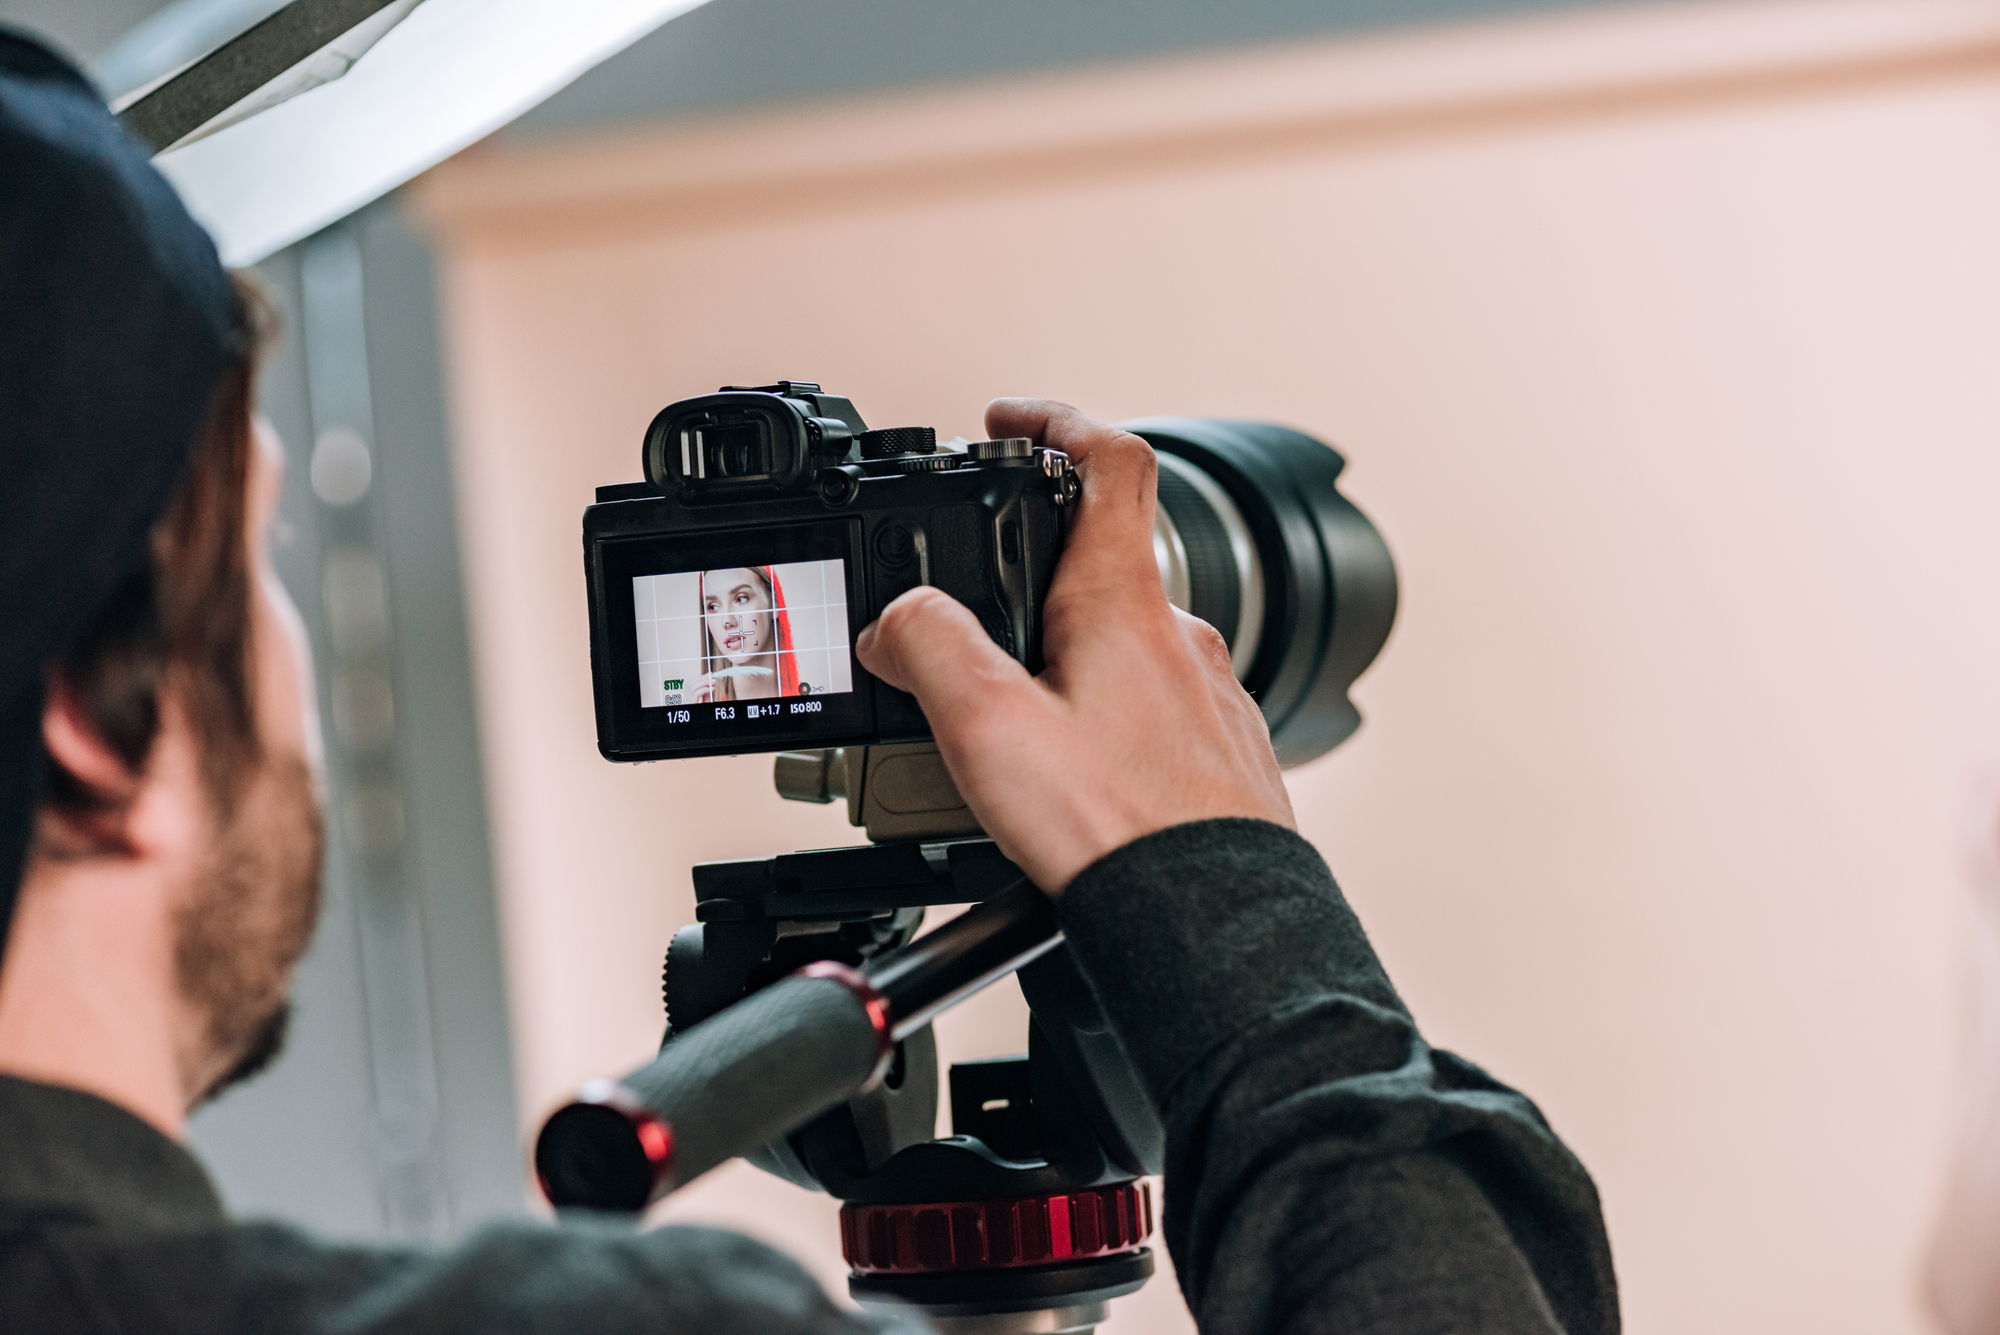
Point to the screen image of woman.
(716, 634)
(747, 651)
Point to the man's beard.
(246, 921)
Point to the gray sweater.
(1327, 1170)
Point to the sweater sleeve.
(79, 1277)
(1327, 1170)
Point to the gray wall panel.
(483, 1159)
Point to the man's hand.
(1135, 724)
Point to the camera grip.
(747, 1075)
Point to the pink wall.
(1662, 348)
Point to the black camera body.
(727, 589)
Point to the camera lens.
(1253, 536)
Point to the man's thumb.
(927, 643)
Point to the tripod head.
(1034, 1197)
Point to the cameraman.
(1327, 1170)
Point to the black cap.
(116, 324)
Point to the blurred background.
(1660, 339)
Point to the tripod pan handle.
(745, 1076)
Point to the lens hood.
(1329, 585)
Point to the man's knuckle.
(1123, 466)
(1122, 448)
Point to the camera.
(727, 588)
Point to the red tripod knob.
(990, 1235)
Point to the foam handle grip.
(757, 1070)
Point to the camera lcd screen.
(737, 641)
(748, 635)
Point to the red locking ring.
(994, 1235)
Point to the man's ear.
(75, 744)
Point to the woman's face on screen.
(736, 607)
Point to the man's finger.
(928, 644)
(1111, 539)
